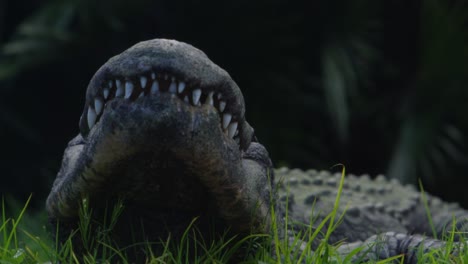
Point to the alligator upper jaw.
(165, 66)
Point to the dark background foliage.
(380, 86)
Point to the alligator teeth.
(155, 87)
(232, 129)
(105, 93)
(222, 106)
(196, 96)
(91, 117)
(143, 81)
(119, 92)
(173, 87)
(98, 105)
(181, 87)
(209, 99)
(128, 89)
(226, 120)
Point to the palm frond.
(348, 52)
(431, 138)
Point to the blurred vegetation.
(380, 86)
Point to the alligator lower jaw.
(159, 201)
(158, 154)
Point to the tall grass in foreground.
(20, 243)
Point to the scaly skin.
(164, 129)
(376, 211)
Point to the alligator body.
(164, 129)
(375, 210)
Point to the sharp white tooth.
(219, 96)
(110, 84)
(143, 81)
(105, 93)
(196, 96)
(128, 89)
(209, 99)
(186, 99)
(141, 95)
(222, 106)
(232, 129)
(91, 117)
(181, 87)
(98, 105)
(237, 133)
(155, 87)
(226, 120)
(173, 87)
(153, 75)
(119, 92)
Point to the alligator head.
(164, 128)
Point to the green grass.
(23, 239)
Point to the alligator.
(164, 130)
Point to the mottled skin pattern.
(164, 129)
(372, 207)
